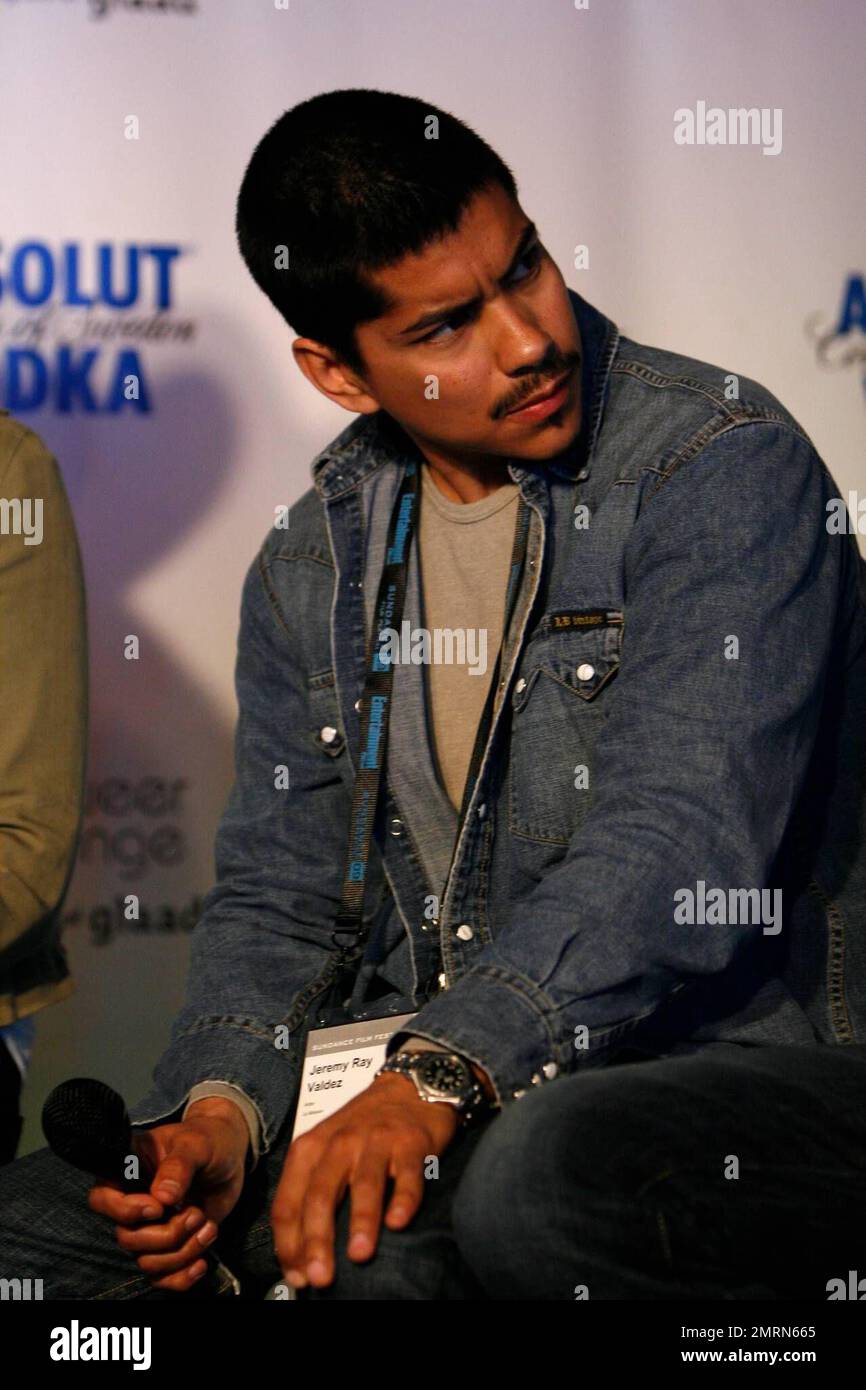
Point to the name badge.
(339, 1063)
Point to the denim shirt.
(681, 719)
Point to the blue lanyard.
(375, 714)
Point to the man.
(643, 953)
(43, 738)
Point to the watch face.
(444, 1074)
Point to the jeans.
(727, 1172)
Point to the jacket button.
(327, 734)
(585, 672)
(521, 685)
(536, 1080)
(482, 810)
(465, 932)
(443, 981)
(550, 1070)
(396, 825)
(517, 1094)
(358, 705)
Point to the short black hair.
(351, 181)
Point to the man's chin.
(549, 444)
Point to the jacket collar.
(371, 440)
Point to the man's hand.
(386, 1132)
(210, 1147)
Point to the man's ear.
(332, 377)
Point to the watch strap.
(405, 1061)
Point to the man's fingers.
(179, 1283)
(173, 1261)
(408, 1172)
(126, 1208)
(324, 1192)
(367, 1195)
(168, 1236)
(173, 1177)
(286, 1208)
(187, 1152)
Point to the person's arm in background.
(43, 704)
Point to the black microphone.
(87, 1124)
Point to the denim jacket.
(677, 751)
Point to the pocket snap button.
(327, 734)
(585, 671)
(521, 685)
(465, 932)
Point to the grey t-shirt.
(465, 552)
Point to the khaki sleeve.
(43, 684)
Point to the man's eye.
(435, 334)
(530, 258)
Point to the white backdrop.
(719, 251)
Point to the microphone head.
(86, 1123)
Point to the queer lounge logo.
(81, 322)
(840, 341)
(101, 9)
(134, 831)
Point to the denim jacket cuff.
(233, 1050)
(490, 1018)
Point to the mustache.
(532, 387)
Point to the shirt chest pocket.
(559, 704)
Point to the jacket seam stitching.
(839, 1015)
(706, 435)
(300, 555)
(225, 1021)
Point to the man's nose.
(521, 345)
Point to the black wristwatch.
(443, 1077)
